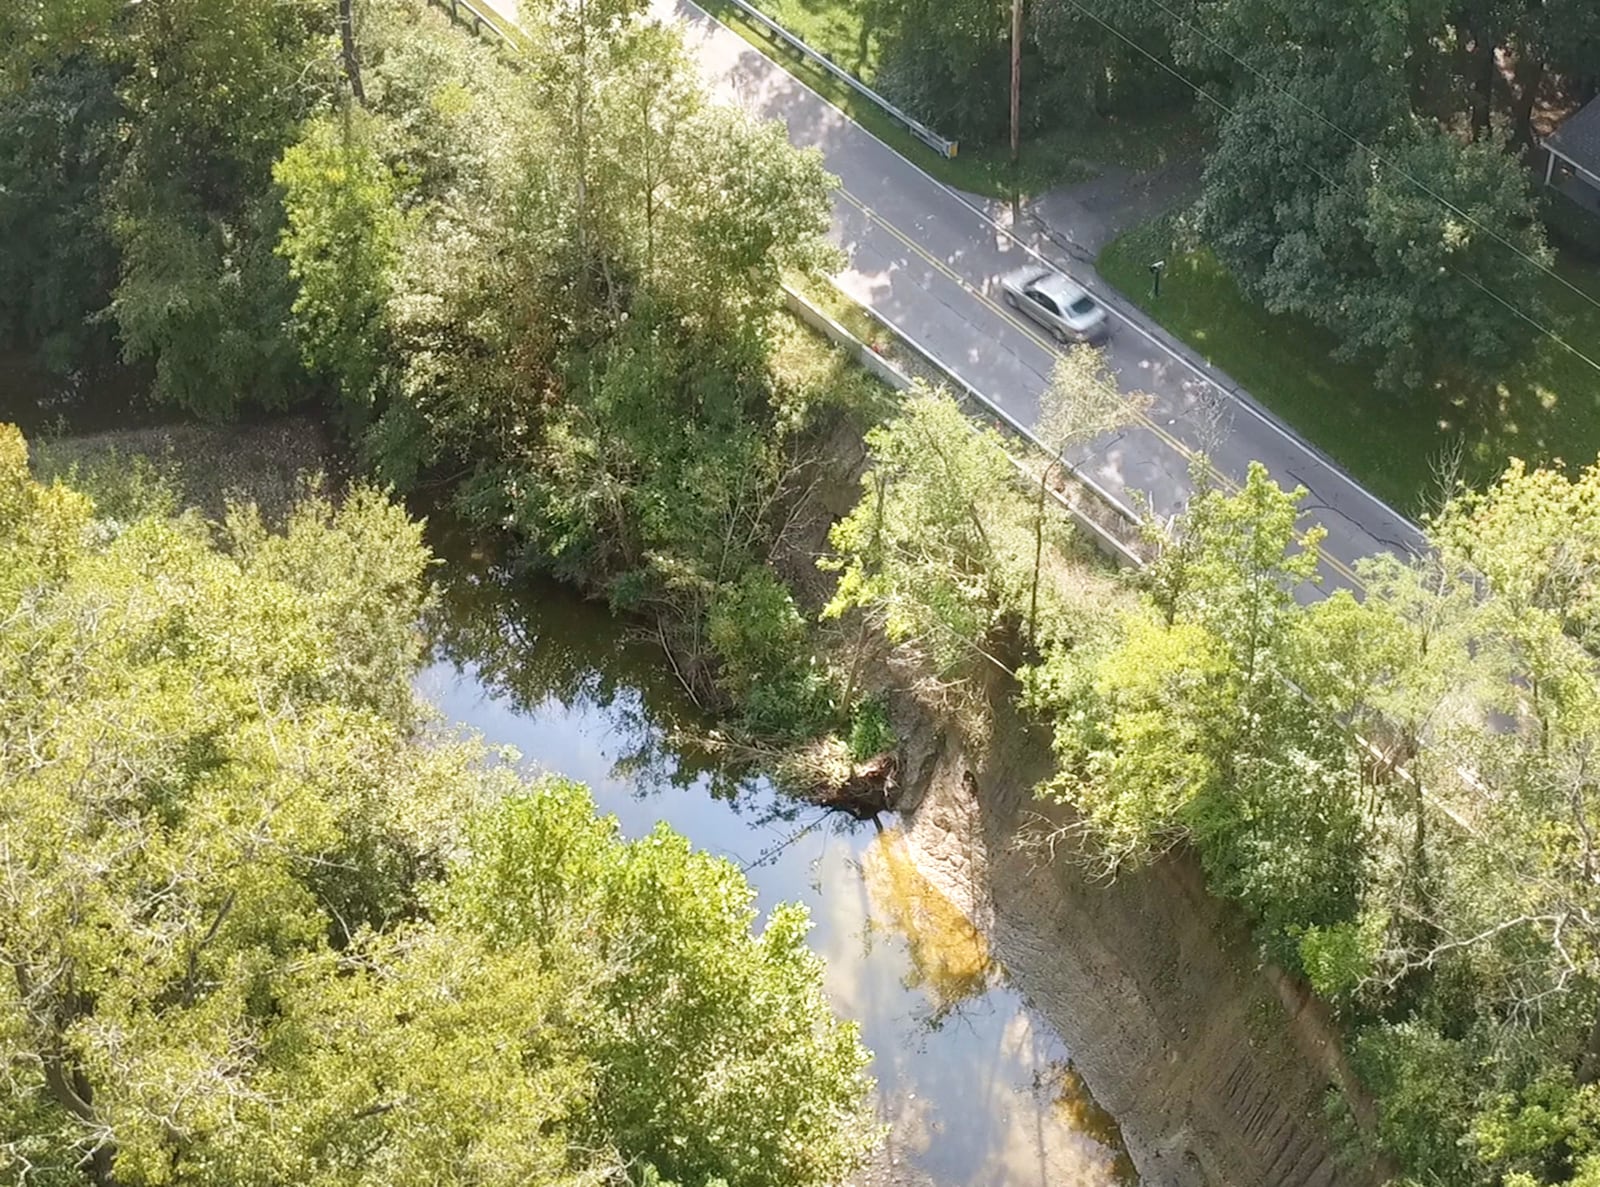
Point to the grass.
(1547, 410)
(803, 361)
(1060, 157)
(202, 466)
(836, 28)
(827, 297)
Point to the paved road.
(928, 261)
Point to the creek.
(973, 1087)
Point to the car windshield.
(1081, 307)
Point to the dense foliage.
(546, 278)
(262, 925)
(1320, 135)
(1399, 790)
(265, 926)
(949, 554)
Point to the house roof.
(1578, 138)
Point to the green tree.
(947, 62)
(58, 156)
(251, 940)
(701, 1026)
(42, 33)
(1187, 725)
(938, 548)
(1082, 402)
(1443, 230)
(744, 209)
(215, 90)
(342, 244)
(1451, 230)
(1325, 129)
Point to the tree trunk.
(1420, 36)
(1529, 77)
(1589, 1062)
(352, 61)
(1481, 76)
(581, 144)
(70, 1089)
(1100, 100)
(1038, 555)
(856, 663)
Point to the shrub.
(870, 731)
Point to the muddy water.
(974, 1088)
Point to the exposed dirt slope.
(1215, 1068)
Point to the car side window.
(1044, 302)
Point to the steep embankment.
(1215, 1068)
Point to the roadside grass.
(806, 363)
(854, 317)
(1547, 410)
(837, 28)
(1061, 156)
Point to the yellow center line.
(1032, 332)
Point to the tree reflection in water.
(532, 641)
(1084, 1114)
(964, 1083)
(950, 958)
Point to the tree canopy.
(1367, 170)
(1397, 789)
(265, 924)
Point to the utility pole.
(1016, 79)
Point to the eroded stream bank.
(976, 1091)
(1217, 1070)
(1002, 994)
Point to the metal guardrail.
(945, 148)
(466, 12)
(1107, 541)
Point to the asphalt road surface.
(928, 261)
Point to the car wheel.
(1011, 298)
(1063, 337)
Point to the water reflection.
(537, 645)
(949, 956)
(969, 1083)
(1083, 1113)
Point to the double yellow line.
(1166, 438)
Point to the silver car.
(1059, 305)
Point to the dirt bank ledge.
(1215, 1068)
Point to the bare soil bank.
(1216, 1068)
